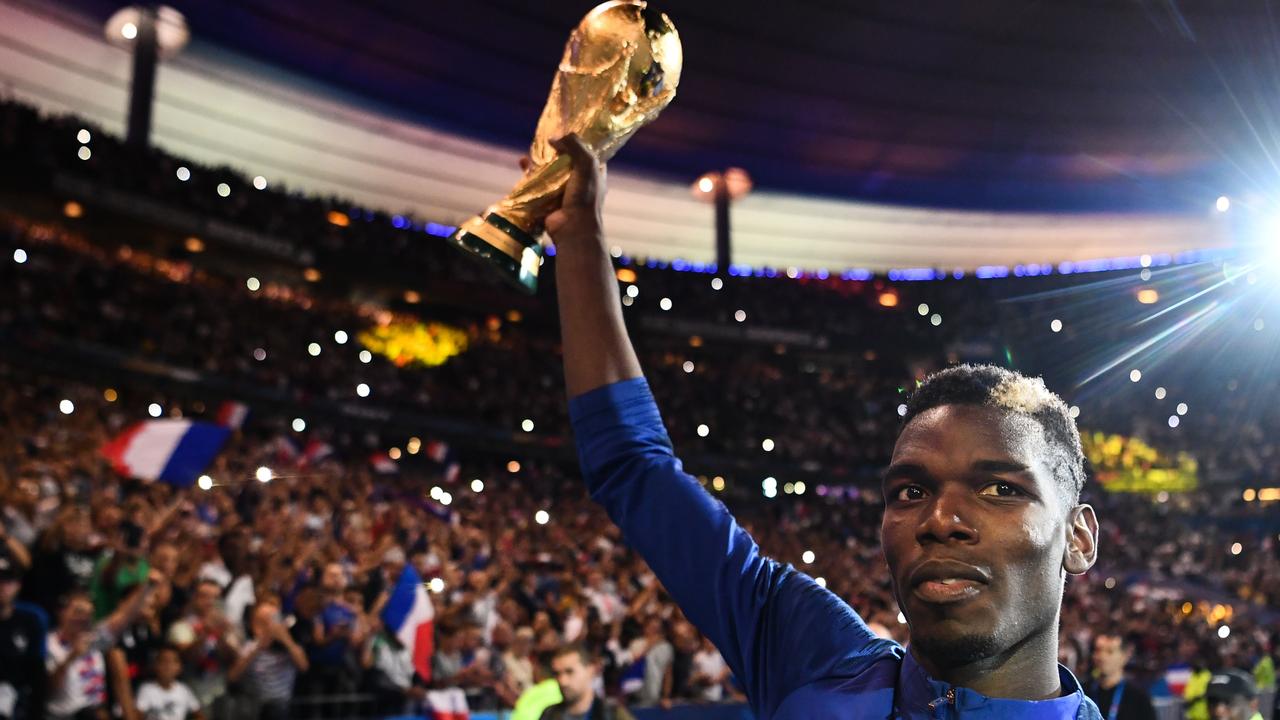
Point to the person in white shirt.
(76, 663)
(165, 698)
(710, 672)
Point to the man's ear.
(1082, 541)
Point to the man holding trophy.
(982, 518)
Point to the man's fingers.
(584, 183)
(573, 146)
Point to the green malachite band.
(503, 245)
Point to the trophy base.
(499, 242)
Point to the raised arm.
(775, 626)
(597, 351)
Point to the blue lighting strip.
(922, 274)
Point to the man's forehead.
(964, 433)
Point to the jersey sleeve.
(776, 628)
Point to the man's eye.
(909, 492)
(1001, 489)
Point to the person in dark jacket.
(575, 669)
(1115, 695)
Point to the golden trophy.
(620, 68)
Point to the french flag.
(447, 704)
(411, 616)
(437, 450)
(315, 452)
(383, 464)
(233, 414)
(441, 452)
(175, 451)
(1177, 677)
(287, 450)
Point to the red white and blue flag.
(232, 414)
(383, 464)
(287, 450)
(175, 451)
(314, 452)
(440, 452)
(447, 704)
(410, 615)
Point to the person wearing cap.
(22, 631)
(1232, 696)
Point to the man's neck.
(583, 705)
(1110, 680)
(6, 610)
(1028, 671)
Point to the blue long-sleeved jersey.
(801, 652)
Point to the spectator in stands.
(166, 697)
(658, 655)
(455, 663)
(331, 651)
(65, 557)
(119, 569)
(678, 685)
(77, 662)
(711, 674)
(208, 644)
(575, 671)
(17, 528)
(1116, 697)
(22, 643)
(517, 662)
(268, 664)
(392, 677)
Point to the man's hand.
(579, 216)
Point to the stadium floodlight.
(721, 189)
(128, 23)
(151, 34)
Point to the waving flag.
(315, 452)
(175, 451)
(287, 450)
(440, 452)
(383, 464)
(232, 414)
(410, 616)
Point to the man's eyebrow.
(999, 466)
(905, 471)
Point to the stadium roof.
(842, 113)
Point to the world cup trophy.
(620, 68)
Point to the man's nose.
(945, 518)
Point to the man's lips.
(947, 581)
(948, 590)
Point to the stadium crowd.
(245, 599)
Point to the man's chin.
(947, 645)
